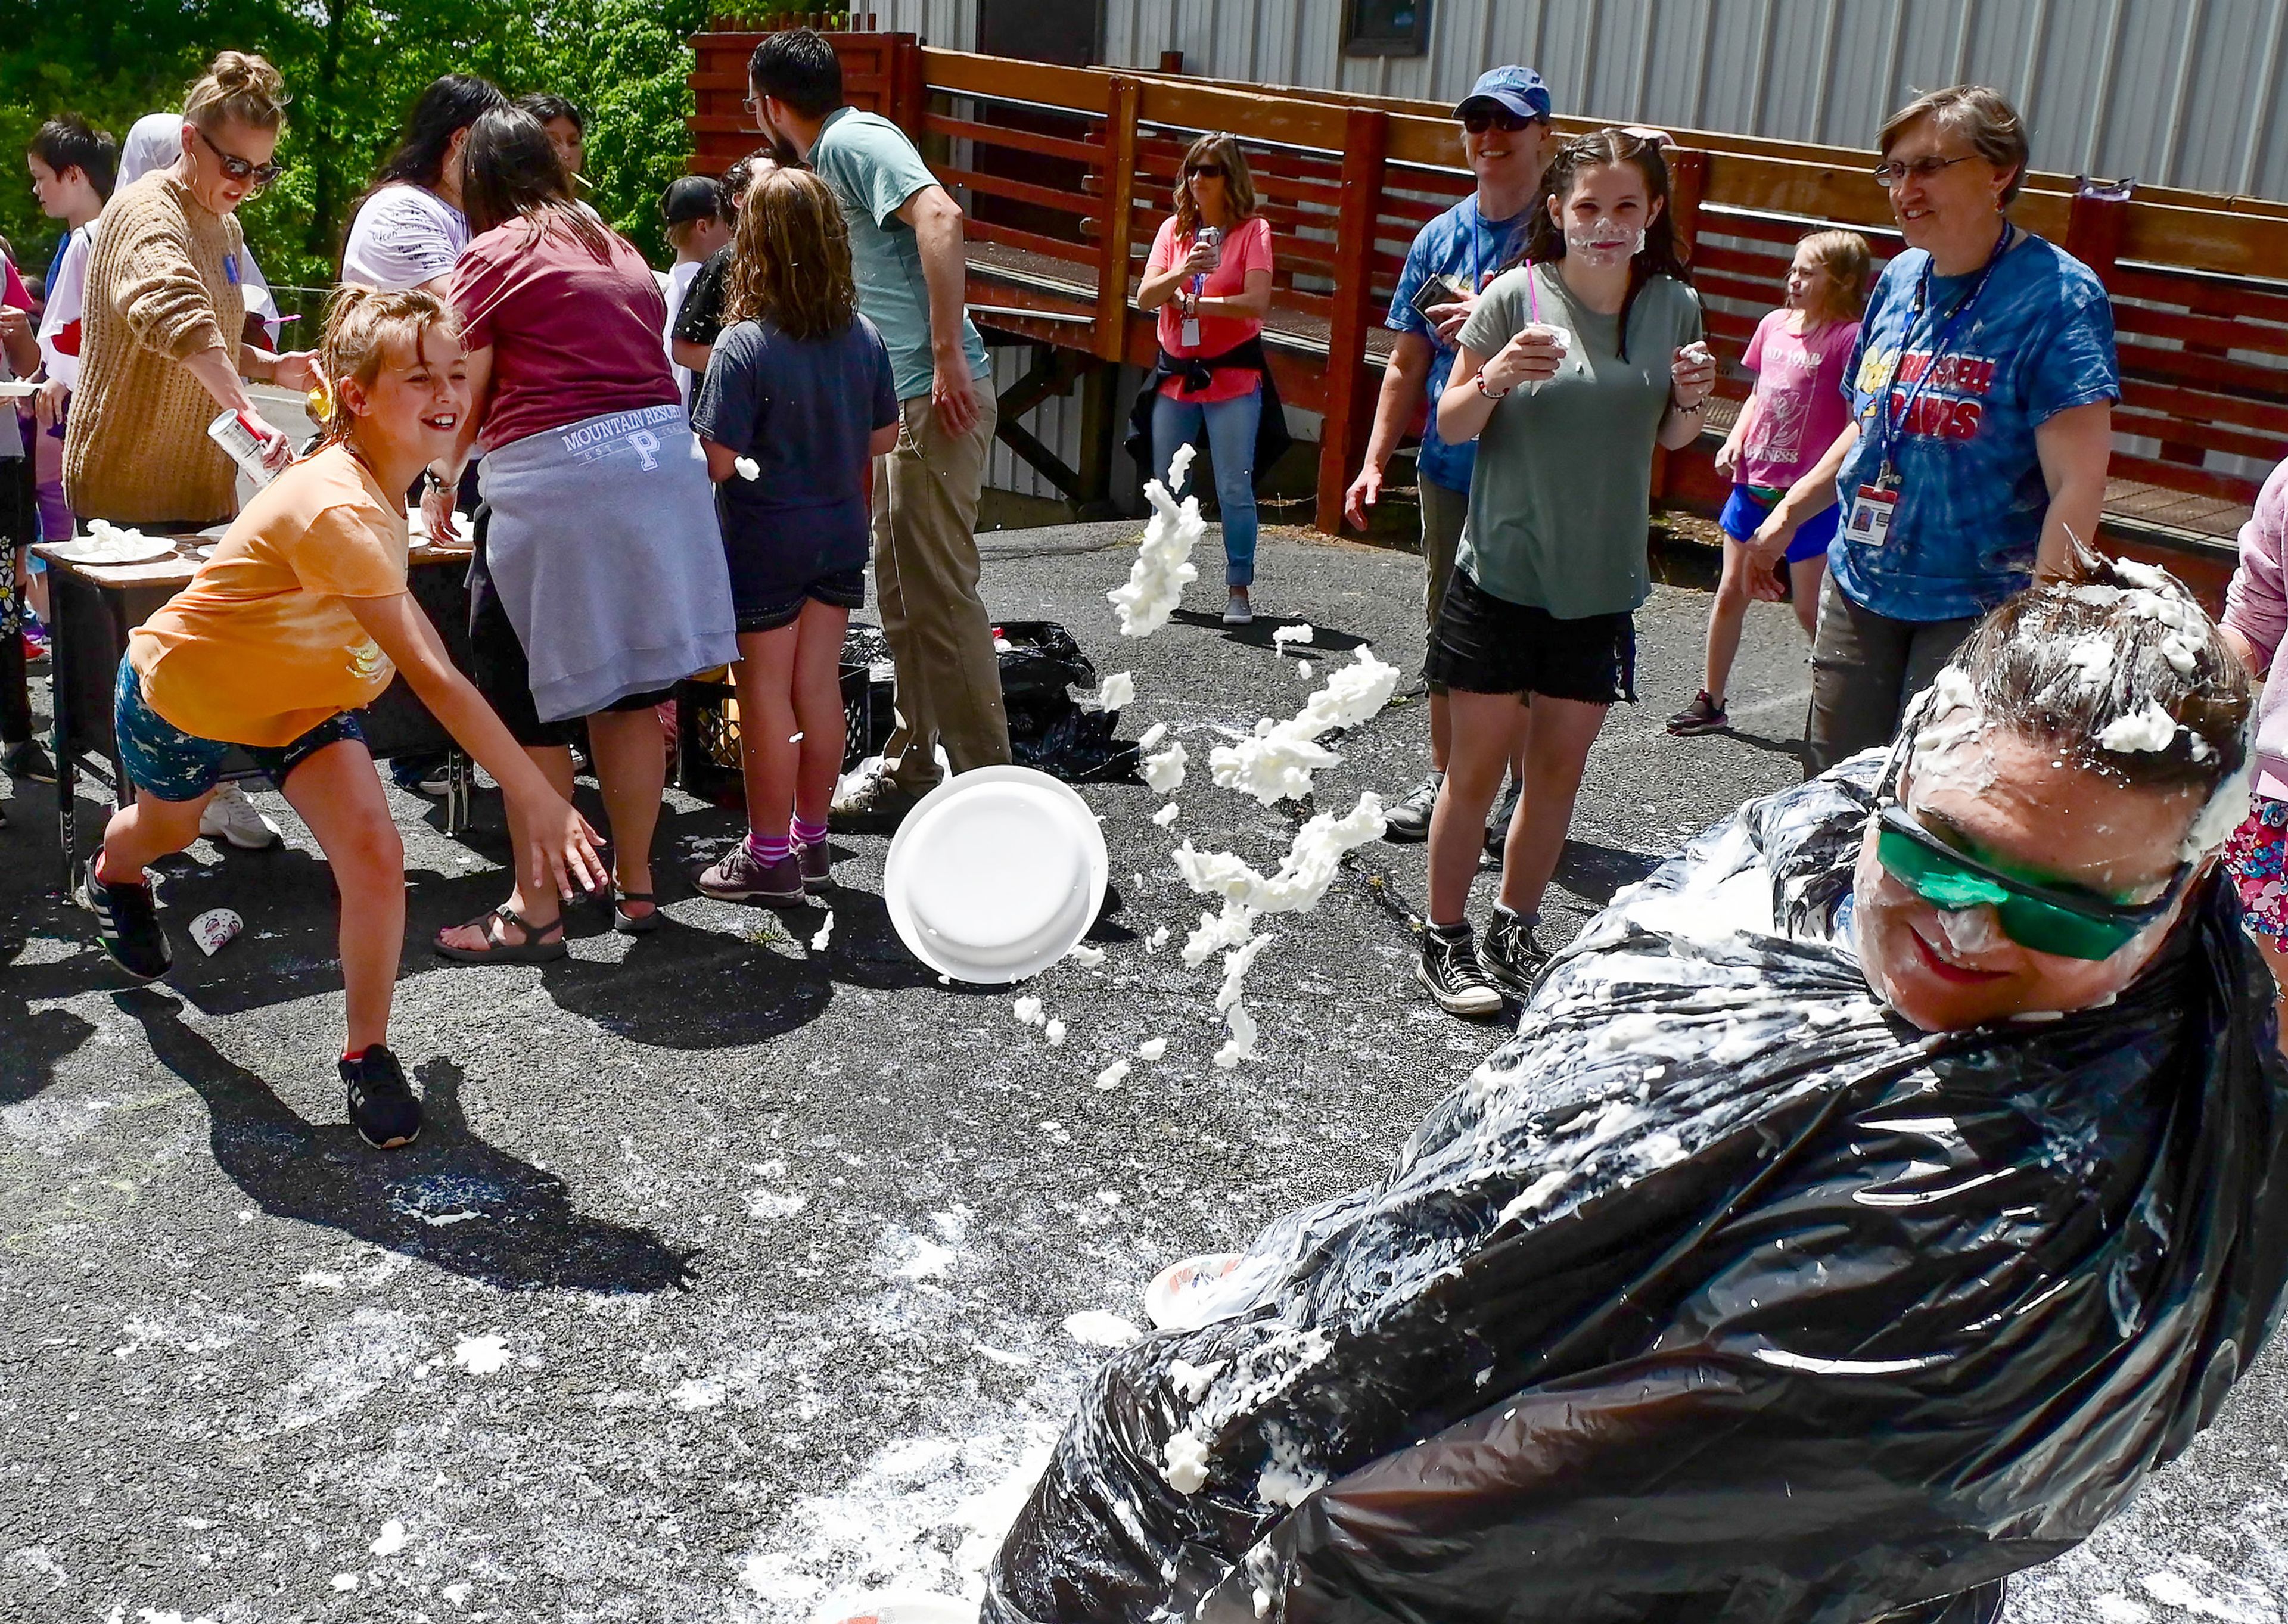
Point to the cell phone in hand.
(1437, 290)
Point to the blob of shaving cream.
(1187, 1463)
(1151, 1049)
(1167, 814)
(1165, 772)
(2147, 729)
(1277, 763)
(1117, 690)
(747, 468)
(1163, 564)
(1292, 634)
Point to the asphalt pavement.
(731, 1275)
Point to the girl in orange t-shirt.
(1211, 298)
(301, 616)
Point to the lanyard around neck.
(1893, 419)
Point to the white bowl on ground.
(995, 875)
(1171, 1302)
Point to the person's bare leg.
(818, 706)
(1484, 738)
(632, 771)
(1804, 576)
(1558, 737)
(543, 909)
(1726, 615)
(141, 833)
(1442, 730)
(768, 750)
(338, 794)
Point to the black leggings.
(15, 689)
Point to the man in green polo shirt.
(906, 256)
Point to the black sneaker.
(1407, 821)
(817, 865)
(1449, 967)
(382, 1107)
(1702, 715)
(1510, 956)
(28, 760)
(127, 924)
(1504, 814)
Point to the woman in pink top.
(1211, 297)
(1799, 356)
(2255, 619)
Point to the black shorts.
(497, 666)
(845, 588)
(1489, 645)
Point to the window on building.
(1385, 28)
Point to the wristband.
(1681, 409)
(1490, 394)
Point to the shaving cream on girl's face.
(1604, 242)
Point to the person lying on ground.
(301, 616)
(1868, 1201)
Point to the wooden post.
(1343, 427)
(909, 94)
(1172, 61)
(2095, 225)
(1119, 220)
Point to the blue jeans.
(1231, 441)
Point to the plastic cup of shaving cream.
(899, 1607)
(1165, 1303)
(214, 929)
(995, 875)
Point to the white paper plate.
(1165, 1299)
(85, 550)
(995, 875)
(899, 1607)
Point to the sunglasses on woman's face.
(1477, 121)
(1213, 171)
(257, 176)
(2071, 923)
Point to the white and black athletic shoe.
(1504, 814)
(1509, 955)
(1449, 968)
(127, 924)
(1406, 820)
(382, 1107)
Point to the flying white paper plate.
(996, 876)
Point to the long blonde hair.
(362, 326)
(1238, 185)
(1848, 262)
(239, 85)
(790, 257)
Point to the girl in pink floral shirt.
(2255, 618)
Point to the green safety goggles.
(2072, 924)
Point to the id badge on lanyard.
(1191, 331)
(1873, 509)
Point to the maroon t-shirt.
(573, 336)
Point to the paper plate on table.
(995, 875)
(135, 548)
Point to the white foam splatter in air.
(825, 934)
(1095, 1328)
(1241, 1044)
(1157, 940)
(1163, 564)
(1164, 772)
(1277, 763)
(1151, 1049)
(1116, 691)
(482, 1356)
(1029, 1011)
(1055, 1032)
(1152, 735)
(1112, 1076)
(747, 467)
(1167, 814)
(1292, 634)
(392, 1539)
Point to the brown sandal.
(536, 948)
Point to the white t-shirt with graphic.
(403, 235)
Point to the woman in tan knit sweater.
(161, 352)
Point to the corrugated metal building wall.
(2176, 92)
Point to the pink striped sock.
(768, 849)
(809, 834)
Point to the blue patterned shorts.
(2255, 856)
(179, 767)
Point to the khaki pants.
(1864, 668)
(948, 678)
(1442, 513)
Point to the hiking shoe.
(1504, 814)
(817, 865)
(1509, 955)
(739, 876)
(874, 805)
(229, 816)
(127, 924)
(1407, 821)
(427, 773)
(1236, 611)
(27, 760)
(1449, 968)
(382, 1107)
(1702, 715)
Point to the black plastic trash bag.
(1047, 729)
(1721, 1294)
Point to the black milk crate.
(707, 719)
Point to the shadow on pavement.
(33, 1043)
(1594, 872)
(1324, 640)
(449, 1199)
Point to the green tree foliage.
(353, 68)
